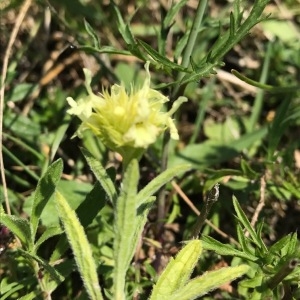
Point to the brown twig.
(11, 41)
(261, 202)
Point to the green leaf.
(295, 190)
(228, 39)
(154, 185)
(80, 246)
(44, 190)
(18, 162)
(125, 226)
(286, 246)
(218, 176)
(30, 296)
(92, 205)
(160, 59)
(141, 219)
(204, 70)
(104, 49)
(101, 175)
(124, 29)
(172, 12)
(59, 135)
(237, 13)
(86, 213)
(90, 30)
(224, 249)
(210, 153)
(247, 170)
(209, 281)
(180, 46)
(19, 227)
(256, 281)
(259, 228)
(292, 245)
(245, 222)
(21, 91)
(241, 237)
(177, 272)
(49, 232)
(8, 288)
(278, 127)
(55, 275)
(232, 28)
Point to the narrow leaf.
(209, 281)
(49, 233)
(124, 28)
(165, 62)
(30, 296)
(153, 186)
(245, 222)
(90, 30)
(55, 275)
(101, 175)
(103, 49)
(172, 12)
(232, 26)
(80, 246)
(140, 221)
(44, 190)
(292, 244)
(180, 45)
(241, 237)
(224, 249)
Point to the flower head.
(125, 120)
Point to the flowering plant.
(125, 122)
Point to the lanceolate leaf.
(104, 49)
(166, 63)
(124, 29)
(55, 275)
(209, 281)
(152, 187)
(224, 249)
(243, 219)
(101, 175)
(92, 34)
(44, 190)
(50, 232)
(173, 12)
(80, 246)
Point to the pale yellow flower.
(125, 120)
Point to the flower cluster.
(125, 120)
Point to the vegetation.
(150, 150)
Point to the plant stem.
(166, 140)
(161, 193)
(256, 110)
(285, 270)
(191, 42)
(206, 96)
(212, 197)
